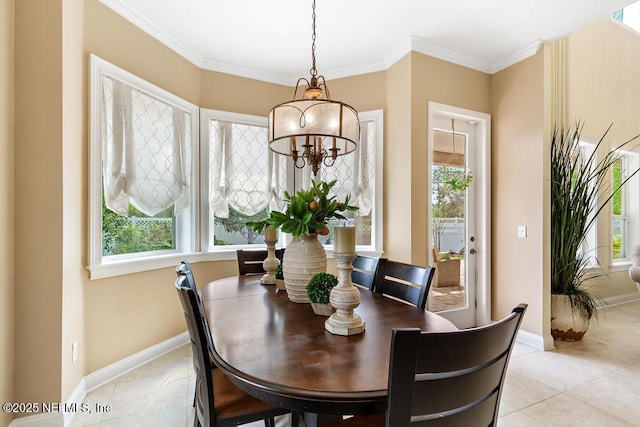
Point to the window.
(625, 207)
(236, 156)
(168, 182)
(629, 16)
(141, 178)
(237, 159)
(360, 175)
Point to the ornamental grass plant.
(580, 189)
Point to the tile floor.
(595, 382)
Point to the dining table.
(280, 352)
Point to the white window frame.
(192, 225)
(186, 238)
(375, 249)
(590, 244)
(631, 209)
(206, 115)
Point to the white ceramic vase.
(304, 257)
(565, 324)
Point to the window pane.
(137, 232)
(238, 170)
(234, 231)
(619, 233)
(617, 181)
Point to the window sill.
(137, 265)
(623, 266)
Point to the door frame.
(482, 178)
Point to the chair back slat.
(450, 378)
(410, 283)
(364, 271)
(250, 261)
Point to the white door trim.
(482, 177)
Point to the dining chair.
(364, 271)
(219, 403)
(250, 261)
(407, 282)
(446, 379)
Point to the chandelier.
(313, 129)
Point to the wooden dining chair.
(250, 261)
(219, 403)
(407, 282)
(364, 271)
(446, 379)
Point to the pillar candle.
(270, 233)
(345, 240)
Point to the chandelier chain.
(313, 70)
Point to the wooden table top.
(279, 351)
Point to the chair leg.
(295, 419)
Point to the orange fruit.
(313, 205)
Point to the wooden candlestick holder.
(345, 297)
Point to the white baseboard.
(113, 371)
(98, 378)
(535, 341)
(619, 299)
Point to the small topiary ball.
(319, 287)
(278, 273)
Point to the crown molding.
(422, 46)
(136, 18)
(515, 57)
(414, 43)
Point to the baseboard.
(115, 370)
(619, 299)
(535, 341)
(98, 378)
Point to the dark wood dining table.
(279, 351)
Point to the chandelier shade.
(314, 124)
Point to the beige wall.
(74, 184)
(603, 63)
(517, 190)
(397, 166)
(7, 279)
(38, 201)
(463, 88)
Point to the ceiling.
(271, 40)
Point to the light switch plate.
(522, 231)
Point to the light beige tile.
(617, 394)
(519, 419)
(563, 410)
(521, 389)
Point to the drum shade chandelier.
(313, 129)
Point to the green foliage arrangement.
(319, 287)
(580, 189)
(307, 211)
(121, 236)
(279, 274)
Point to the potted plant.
(305, 216)
(279, 277)
(580, 189)
(319, 290)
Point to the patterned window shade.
(239, 168)
(146, 150)
(356, 173)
